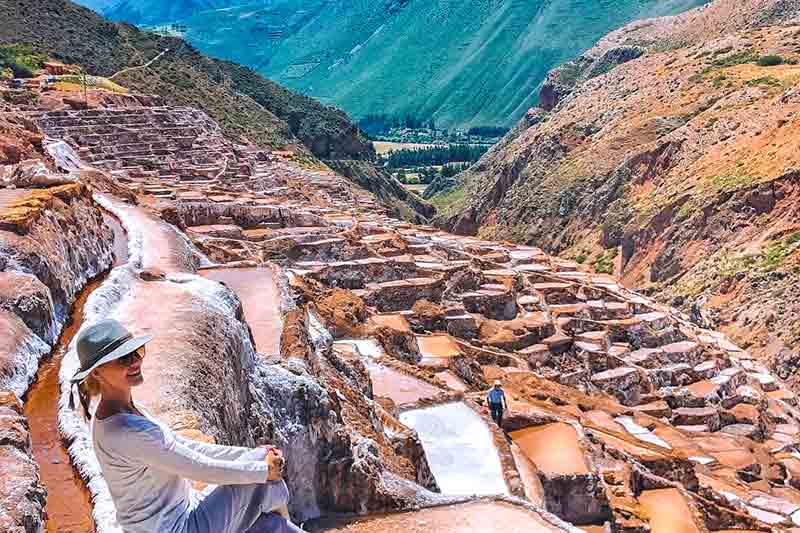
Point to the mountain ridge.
(475, 63)
(250, 108)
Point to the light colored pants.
(242, 508)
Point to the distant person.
(497, 403)
(146, 465)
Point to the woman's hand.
(275, 461)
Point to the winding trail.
(129, 69)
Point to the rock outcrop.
(52, 241)
(23, 503)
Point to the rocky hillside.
(669, 154)
(475, 62)
(248, 106)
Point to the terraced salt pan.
(642, 433)
(668, 511)
(369, 348)
(452, 381)
(460, 449)
(436, 350)
(258, 291)
(394, 321)
(400, 388)
(553, 448)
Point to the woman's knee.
(273, 494)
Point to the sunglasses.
(128, 360)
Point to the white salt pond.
(369, 348)
(460, 450)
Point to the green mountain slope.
(155, 11)
(461, 62)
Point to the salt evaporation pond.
(260, 298)
(460, 450)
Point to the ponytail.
(87, 389)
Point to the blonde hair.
(88, 389)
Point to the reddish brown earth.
(71, 511)
(19, 140)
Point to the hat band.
(108, 348)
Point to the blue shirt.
(496, 396)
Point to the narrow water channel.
(69, 508)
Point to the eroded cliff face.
(52, 241)
(666, 154)
(22, 509)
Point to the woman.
(146, 465)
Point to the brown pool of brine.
(401, 388)
(553, 448)
(69, 508)
(668, 511)
(260, 298)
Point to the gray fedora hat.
(102, 343)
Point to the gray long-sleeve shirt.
(147, 467)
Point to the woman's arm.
(151, 445)
(215, 451)
(225, 453)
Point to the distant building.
(168, 30)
